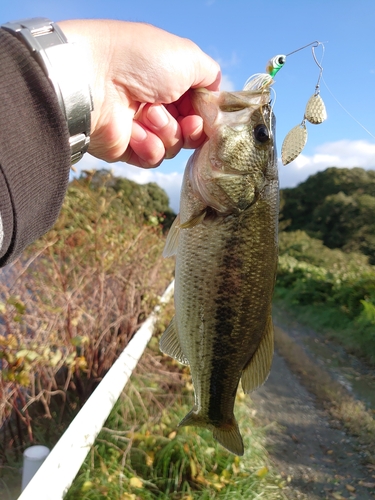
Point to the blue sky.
(243, 35)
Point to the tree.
(336, 206)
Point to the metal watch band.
(59, 60)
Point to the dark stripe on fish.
(223, 347)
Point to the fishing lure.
(315, 111)
(275, 64)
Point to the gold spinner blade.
(294, 143)
(315, 110)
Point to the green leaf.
(18, 304)
(56, 358)
(29, 355)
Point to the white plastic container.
(33, 458)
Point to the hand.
(140, 78)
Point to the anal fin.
(170, 344)
(259, 366)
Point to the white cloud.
(170, 182)
(343, 153)
(227, 84)
(232, 61)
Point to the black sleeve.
(34, 150)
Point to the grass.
(141, 454)
(342, 407)
(355, 335)
(329, 289)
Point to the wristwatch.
(58, 58)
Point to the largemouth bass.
(225, 241)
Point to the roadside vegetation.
(326, 274)
(74, 300)
(336, 206)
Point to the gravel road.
(320, 462)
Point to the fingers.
(159, 132)
(155, 135)
(192, 131)
(208, 73)
(191, 124)
(145, 149)
(160, 122)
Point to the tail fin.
(228, 434)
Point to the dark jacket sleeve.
(34, 150)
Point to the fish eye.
(261, 133)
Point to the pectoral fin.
(169, 344)
(258, 368)
(171, 243)
(194, 221)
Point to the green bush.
(339, 287)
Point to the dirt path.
(321, 462)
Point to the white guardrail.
(56, 474)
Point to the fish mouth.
(210, 105)
(231, 101)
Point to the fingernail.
(196, 134)
(157, 116)
(139, 134)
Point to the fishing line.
(315, 44)
(346, 111)
(319, 64)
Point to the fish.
(225, 240)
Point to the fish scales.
(225, 239)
